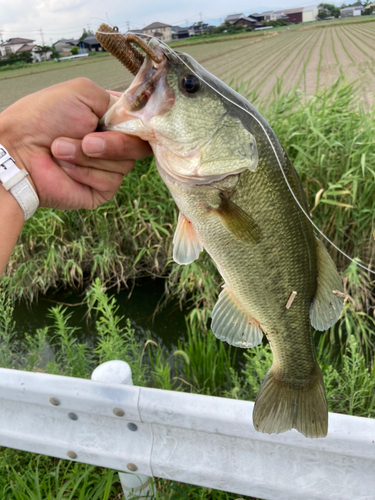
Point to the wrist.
(10, 208)
(14, 180)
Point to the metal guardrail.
(195, 439)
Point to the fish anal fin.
(232, 324)
(186, 243)
(326, 307)
(282, 405)
(237, 221)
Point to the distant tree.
(277, 22)
(55, 54)
(85, 33)
(24, 56)
(74, 51)
(335, 11)
(220, 29)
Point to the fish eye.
(191, 83)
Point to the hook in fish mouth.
(122, 47)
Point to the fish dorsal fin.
(237, 221)
(326, 306)
(232, 324)
(186, 242)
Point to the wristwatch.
(15, 181)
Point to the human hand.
(36, 128)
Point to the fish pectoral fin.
(237, 221)
(326, 307)
(186, 243)
(232, 324)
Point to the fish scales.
(224, 166)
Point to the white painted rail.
(191, 438)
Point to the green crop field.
(307, 58)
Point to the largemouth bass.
(227, 172)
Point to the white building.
(14, 45)
(159, 30)
(351, 11)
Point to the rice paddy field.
(308, 58)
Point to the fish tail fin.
(282, 405)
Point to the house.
(299, 15)
(65, 45)
(13, 45)
(353, 11)
(38, 54)
(233, 18)
(242, 20)
(269, 15)
(159, 30)
(258, 17)
(199, 28)
(179, 33)
(90, 44)
(247, 21)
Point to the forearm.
(11, 223)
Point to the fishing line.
(171, 51)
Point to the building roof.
(353, 7)
(90, 40)
(25, 47)
(247, 18)
(67, 40)
(156, 25)
(178, 29)
(295, 11)
(15, 41)
(233, 17)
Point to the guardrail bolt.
(73, 416)
(132, 427)
(118, 412)
(132, 467)
(72, 455)
(54, 401)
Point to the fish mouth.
(130, 113)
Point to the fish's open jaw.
(147, 96)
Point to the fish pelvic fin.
(283, 405)
(232, 324)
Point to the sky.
(50, 20)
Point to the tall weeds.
(330, 142)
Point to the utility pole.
(127, 26)
(1, 36)
(89, 28)
(41, 34)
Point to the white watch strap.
(14, 180)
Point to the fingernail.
(65, 148)
(93, 145)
